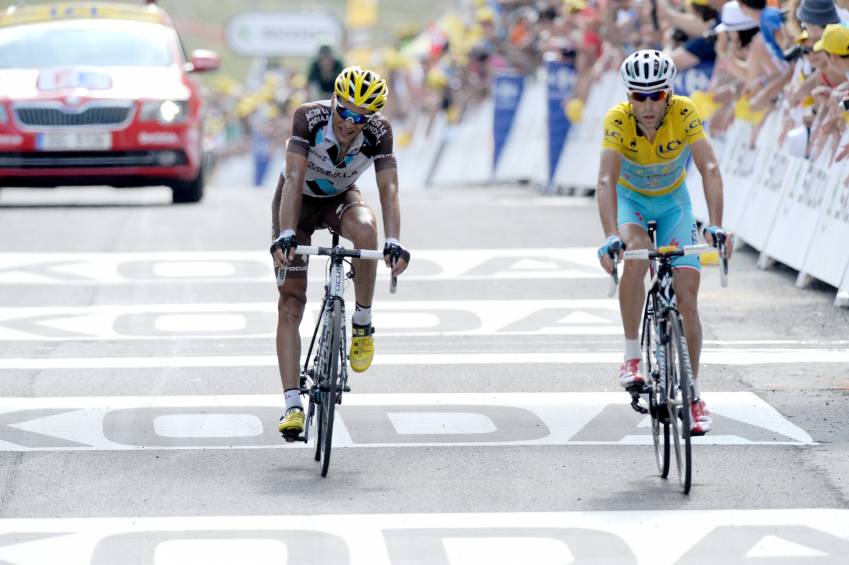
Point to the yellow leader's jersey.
(658, 168)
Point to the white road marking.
(255, 266)
(710, 356)
(240, 320)
(656, 537)
(370, 420)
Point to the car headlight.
(165, 111)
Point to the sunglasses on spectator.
(350, 115)
(643, 96)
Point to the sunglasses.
(643, 96)
(348, 115)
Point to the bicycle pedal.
(637, 406)
(292, 436)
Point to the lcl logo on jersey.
(673, 145)
(613, 134)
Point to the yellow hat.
(835, 40)
(485, 14)
(575, 110)
(705, 103)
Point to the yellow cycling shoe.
(362, 347)
(292, 423)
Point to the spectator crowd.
(760, 56)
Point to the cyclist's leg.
(290, 311)
(631, 219)
(291, 300)
(632, 222)
(677, 226)
(354, 220)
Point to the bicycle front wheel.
(329, 387)
(678, 388)
(657, 408)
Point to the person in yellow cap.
(332, 143)
(835, 42)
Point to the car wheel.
(189, 191)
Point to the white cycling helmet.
(648, 70)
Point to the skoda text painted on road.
(255, 266)
(729, 537)
(240, 320)
(370, 420)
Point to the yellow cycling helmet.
(362, 87)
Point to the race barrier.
(792, 210)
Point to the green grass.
(201, 22)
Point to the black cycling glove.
(395, 251)
(284, 242)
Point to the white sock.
(362, 315)
(293, 398)
(632, 349)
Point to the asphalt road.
(139, 397)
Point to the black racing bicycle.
(670, 388)
(324, 378)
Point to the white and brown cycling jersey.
(329, 173)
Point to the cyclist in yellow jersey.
(647, 144)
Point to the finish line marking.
(370, 420)
(710, 356)
(498, 538)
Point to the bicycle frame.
(327, 379)
(334, 291)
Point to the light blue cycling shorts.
(673, 214)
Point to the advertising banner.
(508, 89)
(561, 81)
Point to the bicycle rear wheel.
(657, 409)
(678, 388)
(329, 388)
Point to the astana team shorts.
(673, 214)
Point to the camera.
(795, 52)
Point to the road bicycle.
(324, 378)
(669, 387)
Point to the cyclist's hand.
(715, 234)
(612, 246)
(283, 248)
(396, 257)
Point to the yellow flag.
(361, 13)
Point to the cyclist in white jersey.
(332, 143)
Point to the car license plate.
(74, 141)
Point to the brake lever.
(614, 274)
(393, 279)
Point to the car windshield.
(102, 43)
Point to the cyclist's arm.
(708, 166)
(608, 175)
(387, 186)
(286, 205)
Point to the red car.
(97, 93)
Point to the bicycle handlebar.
(365, 254)
(646, 254)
